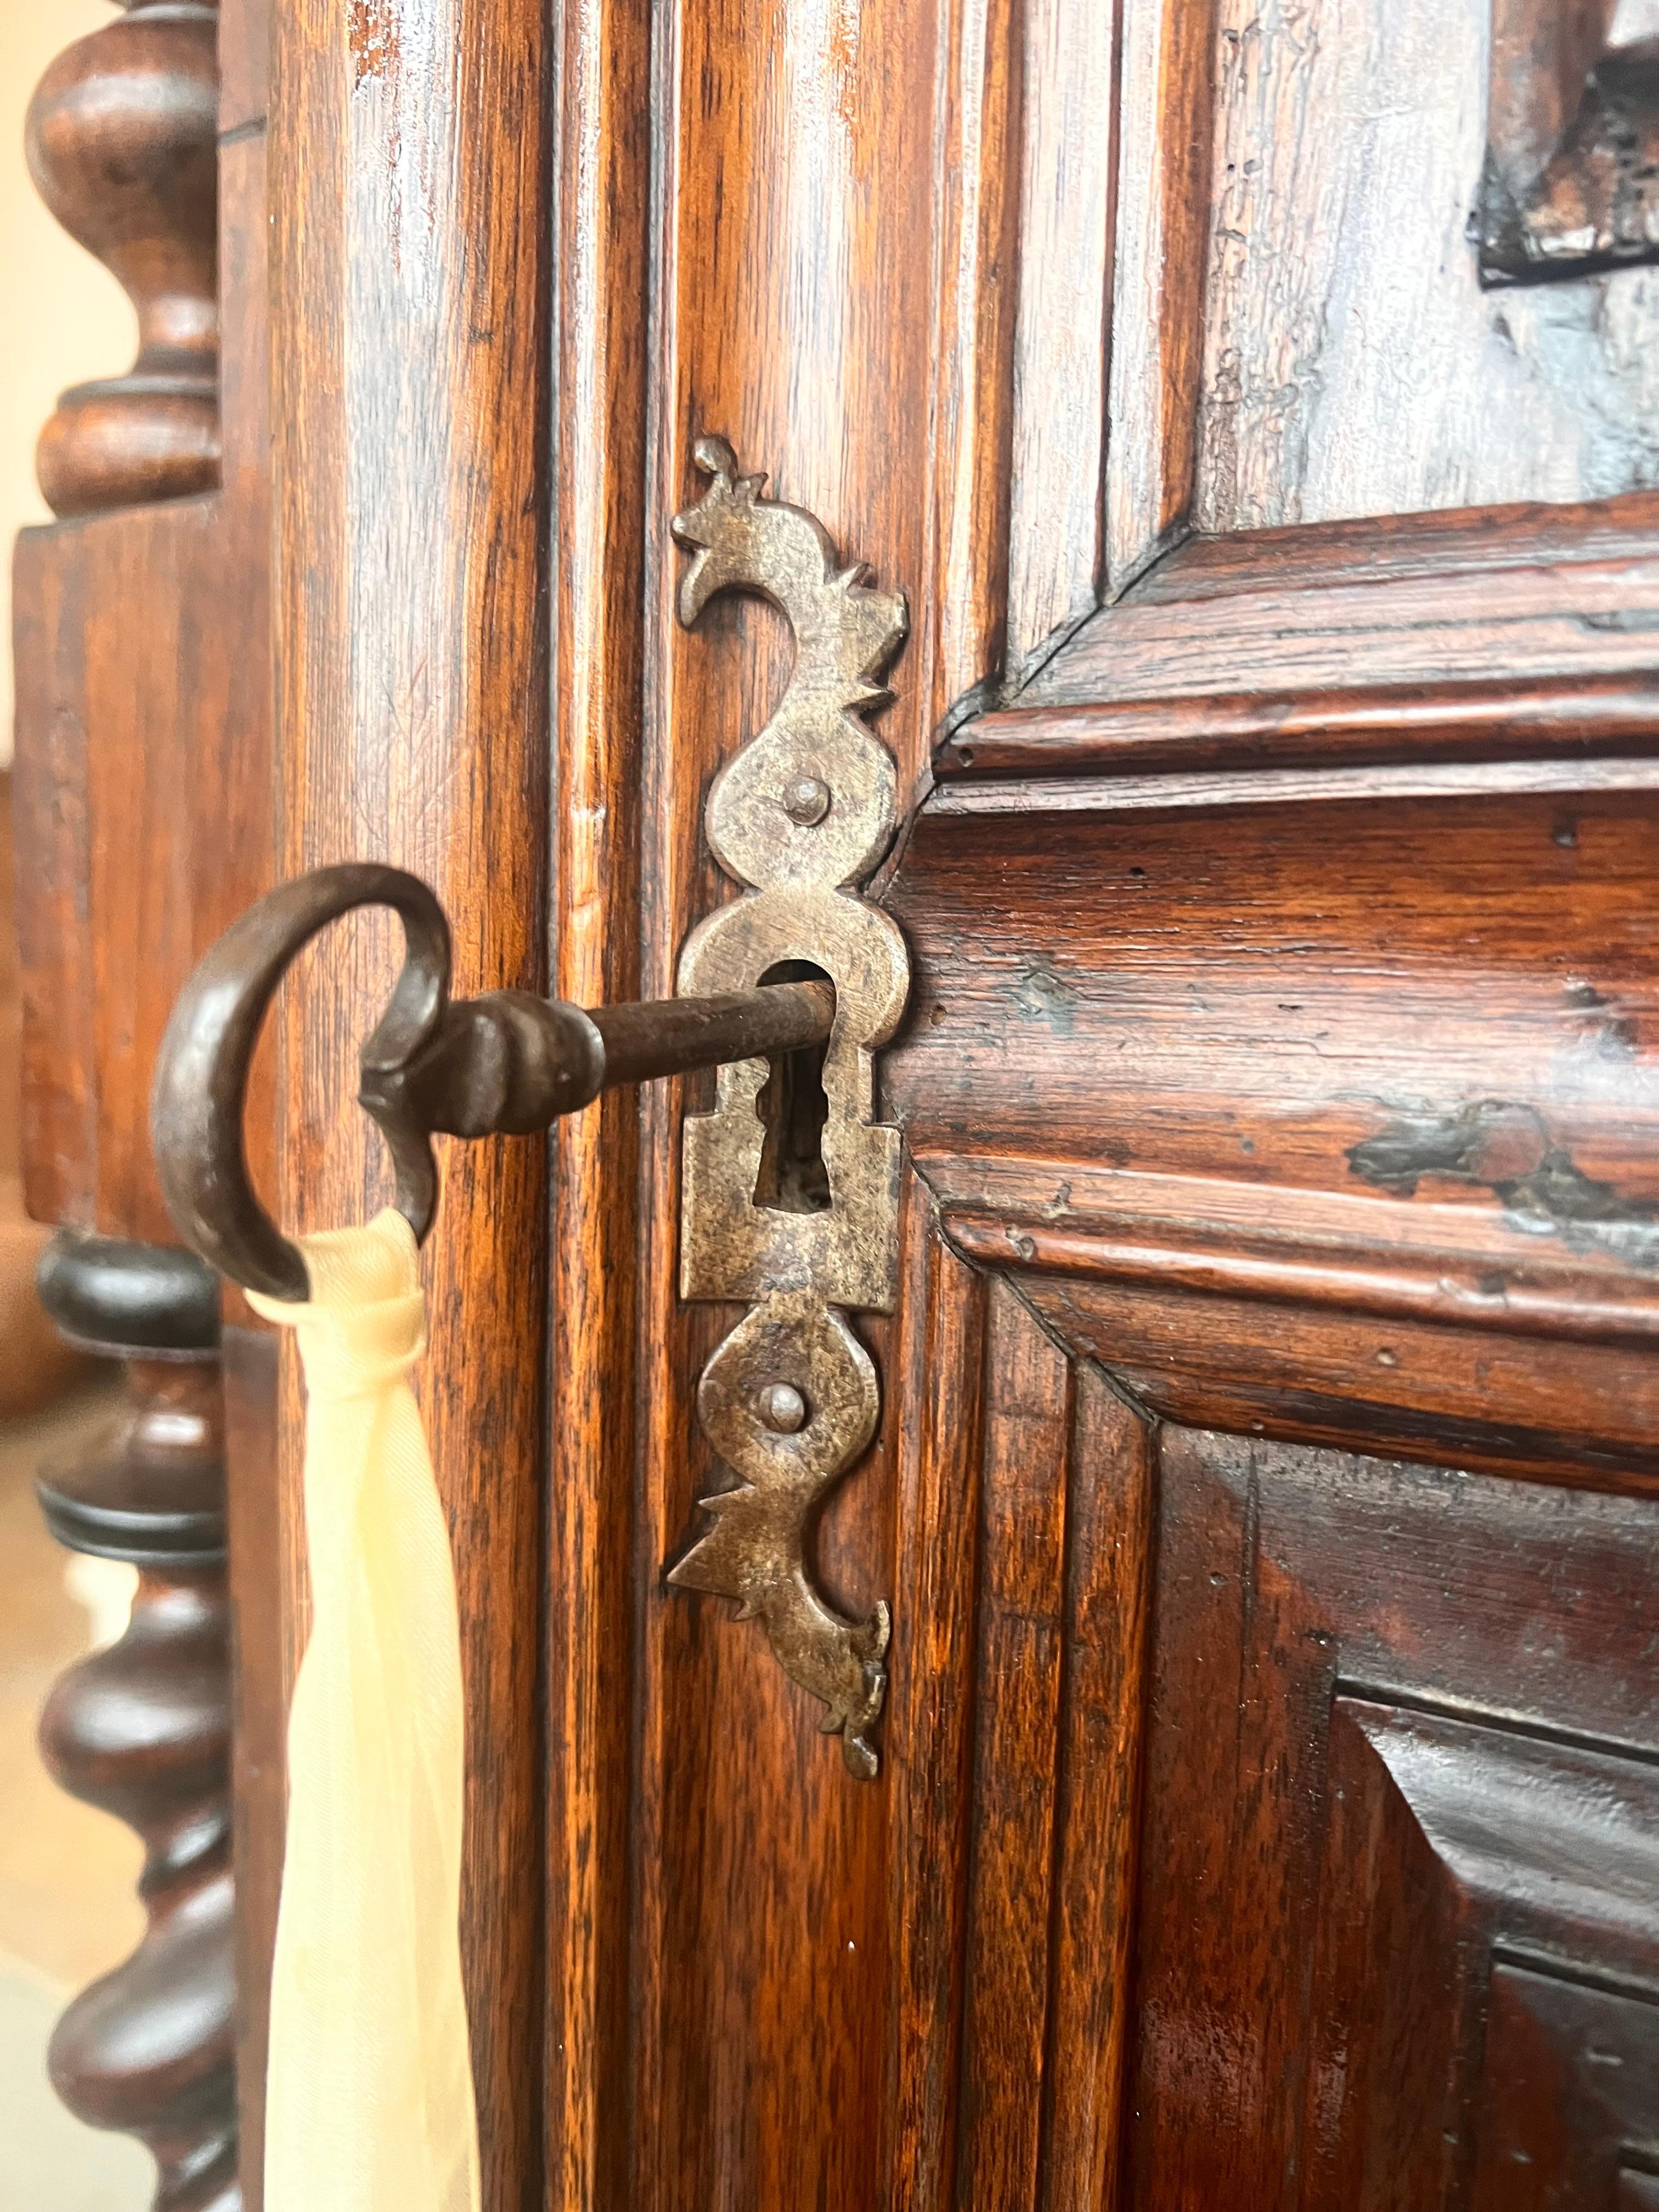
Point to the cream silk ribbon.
(370, 2100)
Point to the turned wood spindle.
(122, 139)
(143, 1729)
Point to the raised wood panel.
(917, 1993)
(1509, 598)
(1573, 2066)
(1400, 1760)
(1025, 1523)
(1343, 299)
(1253, 995)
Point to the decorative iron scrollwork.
(799, 818)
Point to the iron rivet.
(782, 1408)
(806, 801)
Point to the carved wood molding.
(1571, 184)
(1323, 1318)
(1551, 1259)
(122, 138)
(1434, 1873)
(143, 1729)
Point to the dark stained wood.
(1459, 600)
(1109, 1546)
(1257, 1824)
(1366, 1773)
(1019, 1663)
(1568, 2069)
(603, 60)
(928, 1732)
(142, 1729)
(260, 1672)
(409, 294)
(142, 792)
(1013, 1730)
(1572, 130)
(1246, 996)
(1494, 720)
(121, 143)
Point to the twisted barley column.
(143, 1729)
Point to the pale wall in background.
(67, 318)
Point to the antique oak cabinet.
(1257, 403)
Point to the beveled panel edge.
(1460, 1266)
(1279, 787)
(1379, 725)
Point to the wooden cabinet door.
(1257, 404)
(1265, 1490)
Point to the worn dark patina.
(1504, 1147)
(1570, 182)
(506, 1062)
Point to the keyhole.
(793, 1108)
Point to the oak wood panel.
(1109, 1541)
(1269, 1177)
(140, 640)
(599, 214)
(1167, 69)
(1373, 1787)
(1446, 1264)
(1344, 610)
(1566, 1412)
(410, 293)
(1067, 203)
(1019, 1662)
(941, 1342)
(1353, 365)
(1024, 1535)
(1257, 992)
(1497, 719)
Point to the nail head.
(782, 1408)
(806, 801)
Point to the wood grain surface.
(411, 292)
(600, 180)
(1276, 739)
(1366, 1777)
(1352, 364)
(121, 143)
(142, 786)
